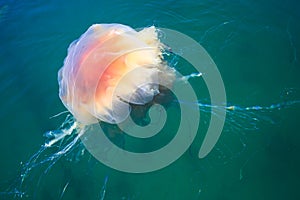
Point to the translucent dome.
(109, 67)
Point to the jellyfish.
(111, 71)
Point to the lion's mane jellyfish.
(109, 67)
(110, 70)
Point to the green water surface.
(256, 46)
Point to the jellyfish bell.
(109, 67)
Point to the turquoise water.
(256, 46)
